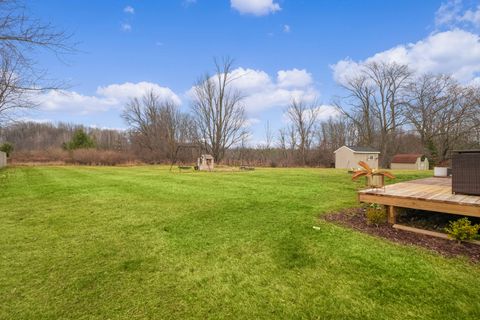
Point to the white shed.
(348, 157)
(409, 161)
(3, 159)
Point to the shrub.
(462, 230)
(80, 140)
(53, 155)
(80, 156)
(376, 214)
(7, 148)
(99, 157)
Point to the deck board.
(433, 194)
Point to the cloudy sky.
(282, 49)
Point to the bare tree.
(303, 118)
(443, 113)
(282, 139)
(12, 92)
(218, 110)
(141, 116)
(357, 105)
(375, 102)
(282, 142)
(334, 133)
(268, 135)
(20, 37)
(157, 125)
(292, 138)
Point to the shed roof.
(467, 151)
(362, 149)
(357, 149)
(406, 157)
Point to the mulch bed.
(355, 218)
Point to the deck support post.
(392, 214)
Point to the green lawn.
(141, 242)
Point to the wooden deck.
(431, 194)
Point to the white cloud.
(454, 13)
(286, 28)
(345, 69)
(126, 27)
(322, 112)
(472, 16)
(113, 96)
(294, 78)
(262, 92)
(74, 102)
(455, 52)
(129, 9)
(475, 82)
(448, 12)
(255, 7)
(251, 122)
(260, 89)
(276, 97)
(325, 112)
(97, 126)
(29, 119)
(251, 81)
(123, 92)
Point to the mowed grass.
(144, 243)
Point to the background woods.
(383, 105)
(394, 110)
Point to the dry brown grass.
(80, 157)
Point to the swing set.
(197, 151)
(205, 162)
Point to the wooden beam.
(421, 231)
(429, 233)
(428, 205)
(392, 214)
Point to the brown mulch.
(355, 218)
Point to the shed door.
(372, 160)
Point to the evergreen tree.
(7, 148)
(80, 140)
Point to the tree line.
(387, 102)
(384, 105)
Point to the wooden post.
(392, 214)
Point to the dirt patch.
(355, 219)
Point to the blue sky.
(286, 48)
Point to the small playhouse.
(205, 163)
